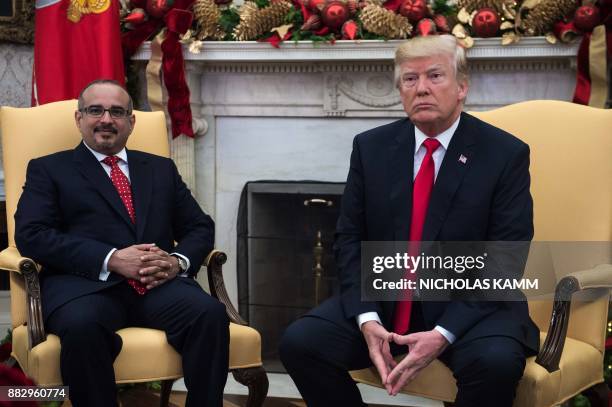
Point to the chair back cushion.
(571, 184)
(37, 131)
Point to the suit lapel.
(401, 168)
(92, 170)
(456, 162)
(141, 179)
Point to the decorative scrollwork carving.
(550, 354)
(36, 329)
(217, 286)
(256, 380)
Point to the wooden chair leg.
(598, 395)
(256, 380)
(166, 389)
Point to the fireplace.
(285, 262)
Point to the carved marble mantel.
(291, 113)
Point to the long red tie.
(423, 184)
(122, 185)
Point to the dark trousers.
(318, 353)
(196, 325)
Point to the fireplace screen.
(285, 259)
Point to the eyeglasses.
(410, 80)
(97, 111)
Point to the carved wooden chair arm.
(214, 263)
(12, 261)
(597, 278)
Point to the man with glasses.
(103, 222)
(440, 175)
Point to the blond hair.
(432, 45)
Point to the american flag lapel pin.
(462, 159)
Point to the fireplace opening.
(285, 263)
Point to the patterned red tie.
(122, 185)
(423, 184)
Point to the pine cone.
(380, 21)
(255, 22)
(207, 15)
(471, 5)
(540, 19)
(363, 3)
(312, 24)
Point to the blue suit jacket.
(484, 199)
(70, 216)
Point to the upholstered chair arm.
(598, 278)
(214, 264)
(11, 260)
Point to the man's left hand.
(423, 348)
(163, 267)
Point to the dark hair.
(81, 103)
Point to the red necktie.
(122, 185)
(423, 184)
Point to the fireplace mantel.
(363, 50)
(263, 113)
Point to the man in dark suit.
(103, 222)
(440, 175)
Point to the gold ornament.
(380, 21)
(255, 21)
(207, 15)
(77, 8)
(537, 17)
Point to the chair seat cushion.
(580, 367)
(145, 355)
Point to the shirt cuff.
(183, 274)
(367, 316)
(104, 273)
(450, 337)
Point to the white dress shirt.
(123, 166)
(419, 154)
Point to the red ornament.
(136, 16)
(441, 23)
(158, 8)
(586, 18)
(413, 10)
(426, 27)
(334, 14)
(486, 23)
(349, 30)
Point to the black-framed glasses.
(97, 111)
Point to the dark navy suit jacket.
(486, 198)
(70, 216)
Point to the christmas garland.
(329, 20)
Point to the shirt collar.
(99, 156)
(444, 138)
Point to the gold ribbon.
(154, 86)
(598, 67)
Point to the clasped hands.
(423, 348)
(146, 263)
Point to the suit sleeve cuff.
(183, 274)
(367, 316)
(104, 273)
(450, 337)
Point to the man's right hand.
(377, 339)
(129, 261)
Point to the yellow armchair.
(34, 132)
(571, 173)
